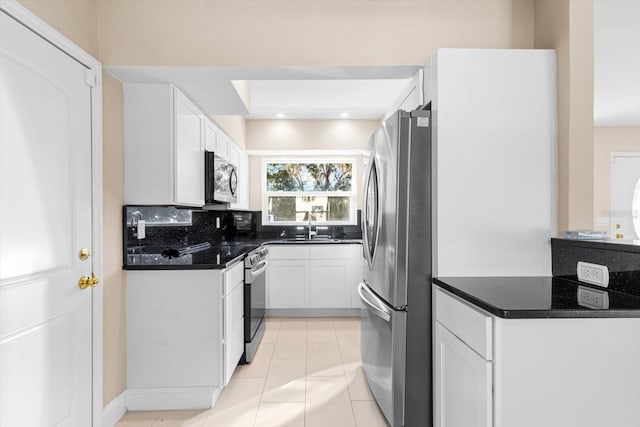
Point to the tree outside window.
(297, 191)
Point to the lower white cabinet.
(569, 372)
(313, 276)
(185, 336)
(233, 306)
(462, 383)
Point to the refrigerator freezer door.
(383, 354)
(381, 228)
(371, 223)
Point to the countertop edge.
(536, 314)
(239, 258)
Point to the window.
(296, 190)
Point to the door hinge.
(91, 77)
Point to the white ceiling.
(617, 63)
(298, 92)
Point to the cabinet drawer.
(233, 310)
(334, 251)
(233, 276)
(233, 349)
(289, 251)
(469, 324)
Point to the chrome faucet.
(311, 233)
(135, 217)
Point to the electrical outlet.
(593, 273)
(592, 298)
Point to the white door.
(45, 220)
(625, 196)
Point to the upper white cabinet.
(189, 157)
(163, 134)
(210, 135)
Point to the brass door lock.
(84, 254)
(86, 281)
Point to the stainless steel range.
(255, 266)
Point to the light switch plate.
(594, 274)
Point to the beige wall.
(294, 32)
(114, 279)
(75, 19)
(78, 21)
(606, 141)
(567, 26)
(283, 135)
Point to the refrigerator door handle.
(377, 307)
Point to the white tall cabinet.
(494, 127)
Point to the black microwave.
(220, 180)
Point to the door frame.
(612, 158)
(44, 30)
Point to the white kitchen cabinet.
(185, 336)
(189, 148)
(287, 283)
(313, 276)
(163, 146)
(499, 372)
(462, 383)
(233, 307)
(210, 135)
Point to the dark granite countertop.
(539, 297)
(217, 256)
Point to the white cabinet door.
(210, 135)
(233, 155)
(463, 383)
(287, 283)
(188, 152)
(233, 330)
(222, 144)
(329, 285)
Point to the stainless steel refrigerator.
(396, 283)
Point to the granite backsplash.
(622, 258)
(177, 227)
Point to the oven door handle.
(259, 268)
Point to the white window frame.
(353, 194)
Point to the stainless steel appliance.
(221, 180)
(396, 285)
(255, 266)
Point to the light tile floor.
(307, 373)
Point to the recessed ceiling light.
(280, 115)
(344, 115)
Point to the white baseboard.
(154, 399)
(114, 410)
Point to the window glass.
(301, 190)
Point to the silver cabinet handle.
(378, 309)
